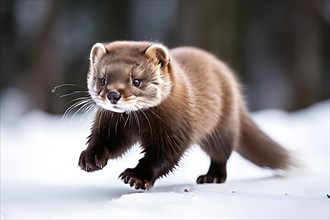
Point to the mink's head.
(129, 76)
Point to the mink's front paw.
(133, 178)
(91, 160)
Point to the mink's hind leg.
(217, 173)
(218, 146)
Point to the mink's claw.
(130, 176)
(93, 160)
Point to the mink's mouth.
(118, 109)
(122, 106)
(114, 108)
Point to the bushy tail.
(259, 148)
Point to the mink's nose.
(113, 97)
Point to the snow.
(40, 177)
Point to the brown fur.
(186, 96)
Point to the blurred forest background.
(279, 49)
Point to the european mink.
(167, 100)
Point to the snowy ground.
(40, 177)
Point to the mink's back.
(214, 90)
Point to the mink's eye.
(136, 82)
(102, 82)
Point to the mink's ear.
(159, 54)
(97, 52)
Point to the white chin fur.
(112, 108)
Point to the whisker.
(147, 121)
(88, 109)
(100, 120)
(72, 93)
(131, 120)
(110, 124)
(86, 112)
(137, 120)
(83, 106)
(122, 117)
(66, 84)
(157, 116)
(86, 106)
(73, 106)
(148, 109)
(126, 120)
(80, 98)
(116, 125)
